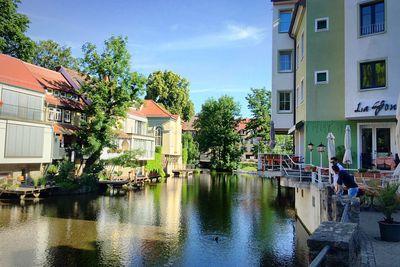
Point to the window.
(67, 116)
(302, 45)
(297, 55)
(158, 136)
(83, 117)
(54, 114)
(284, 20)
(373, 74)
(372, 16)
(284, 101)
(139, 127)
(63, 94)
(285, 61)
(297, 96)
(56, 93)
(322, 24)
(301, 95)
(321, 77)
(49, 91)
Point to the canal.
(224, 220)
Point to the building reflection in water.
(172, 223)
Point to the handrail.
(320, 257)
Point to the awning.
(65, 129)
(295, 127)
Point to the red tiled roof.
(242, 124)
(136, 112)
(64, 102)
(62, 128)
(189, 125)
(152, 109)
(14, 72)
(49, 78)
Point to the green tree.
(190, 153)
(172, 91)
(216, 132)
(13, 26)
(259, 104)
(111, 87)
(49, 54)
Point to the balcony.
(372, 28)
(10, 111)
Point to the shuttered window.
(24, 141)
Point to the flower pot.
(390, 231)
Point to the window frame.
(316, 24)
(360, 74)
(279, 18)
(302, 45)
(316, 77)
(158, 136)
(279, 101)
(67, 118)
(55, 114)
(359, 21)
(290, 51)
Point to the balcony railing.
(20, 112)
(372, 28)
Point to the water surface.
(201, 221)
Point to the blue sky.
(220, 46)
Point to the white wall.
(280, 81)
(379, 46)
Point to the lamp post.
(310, 148)
(321, 149)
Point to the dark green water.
(169, 224)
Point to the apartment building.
(26, 139)
(167, 129)
(345, 62)
(63, 109)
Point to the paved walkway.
(374, 251)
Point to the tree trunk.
(91, 161)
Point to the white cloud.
(232, 34)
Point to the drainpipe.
(294, 85)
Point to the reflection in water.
(224, 220)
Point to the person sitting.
(335, 161)
(345, 181)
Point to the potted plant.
(390, 201)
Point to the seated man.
(345, 181)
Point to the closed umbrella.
(331, 148)
(397, 170)
(347, 159)
(272, 142)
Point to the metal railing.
(372, 28)
(20, 112)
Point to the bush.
(390, 201)
(155, 165)
(196, 171)
(66, 171)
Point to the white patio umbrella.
(331, 149)
(347, 159)
(397, 170)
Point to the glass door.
(377, 145)
(366, 148)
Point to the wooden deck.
(184, 173)
(23, 192)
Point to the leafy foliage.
(156, 165)
(259, 104)
(390, 201)
(13, 26)
(49, 54)
(216, 132)
(172, 91)
(112, 88)
(190, 149)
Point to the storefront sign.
(377, 107)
